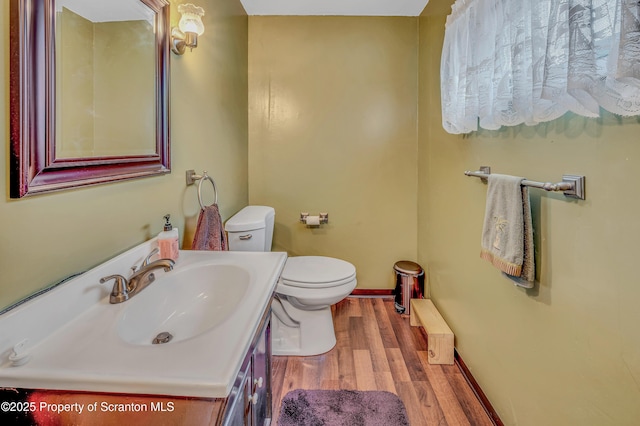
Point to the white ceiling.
(108, 11)
(335, 7)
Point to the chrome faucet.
(124, 289)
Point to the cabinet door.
(238, 411)
(261, 382)
(249, 403)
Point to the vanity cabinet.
(249, 403)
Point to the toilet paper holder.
(314, 221)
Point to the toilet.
(301, 324)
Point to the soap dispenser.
(168, 241)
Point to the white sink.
(72, 338)
(184, 303)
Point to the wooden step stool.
(439, 335)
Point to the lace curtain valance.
(507, 62)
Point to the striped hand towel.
(507, 235)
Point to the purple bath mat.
(341, 408)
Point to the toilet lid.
(317, 271)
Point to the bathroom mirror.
(89, 92)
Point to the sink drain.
(164, 337)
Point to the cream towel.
(507, 235)
(210, 233)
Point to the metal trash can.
(409, 285)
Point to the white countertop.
(73, 342)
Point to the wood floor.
(377, 349)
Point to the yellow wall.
(104, 79)
(75, 79)
(332, 127)
(568, 351)
(48, 237)
(124, 56)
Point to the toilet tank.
(251, 229)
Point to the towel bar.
(192, 177)
(571, 185)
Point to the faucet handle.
(147, 259)
(119, 293)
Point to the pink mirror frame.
(33, 167)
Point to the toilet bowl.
(307, 288)
(302, 323)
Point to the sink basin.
(184, 303)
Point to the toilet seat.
(317, 272)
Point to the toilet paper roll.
(313, 220)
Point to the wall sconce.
(188, 30)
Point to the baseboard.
(372, 292)
(491, 412)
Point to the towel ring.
(192, 177)
(204, 177)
